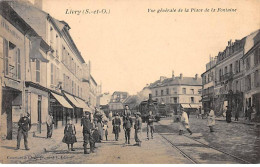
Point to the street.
(242, 142)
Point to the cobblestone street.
(242, 142)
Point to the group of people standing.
(127, 125)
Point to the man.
(127, 125)
(184, 123)
(49, 123)
(24, 125)
(138, 129)
(116, 122)
(87, 128)
(150, 127)
(126, 112)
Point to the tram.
(149, 105)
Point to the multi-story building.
(177, 92)
(208, 84)
(43, 69)
(228, 75)
(235, 76)
(23, 54)
(251, 68)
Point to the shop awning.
(73, 100)
(185, 106)
(83, 104)
(61, 100)
(195, 105)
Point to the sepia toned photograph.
(129, 82)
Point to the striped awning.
(73, 101)
(61, 100)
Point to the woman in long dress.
(69, 134)
(211, 120)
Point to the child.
(105, 126)
(69, 134)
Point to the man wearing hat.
(87, 128)
(138, 128)
(24, 125)
(116, 122)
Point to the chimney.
(181, 76)
(173, 74)
(196, 76)
(162, 78)
(89, 65)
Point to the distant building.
(117, 100)
(208, 84)
(177, 92)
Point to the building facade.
(176, 92)
(235, 76)
(42, 70)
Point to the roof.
(36, 18)
(93, 79)
(120, 92)
(177, 81)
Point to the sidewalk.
(240, 121)
(37, 144)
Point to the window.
(199, 91)
(256, 78)
(192, 99)
(12, 59)
(174, 90)
(219, 74)
(18, 64)
(57, 46)
(247, 63)
(81, 92)
(161, 92)
(226, 70)
(52, 74)
(57, 75)
(167, 91)
(231, 68)
(78, 90)
(257, 56)
(175, 100)
(183, 90)
(51, 35)
(237, 66)
(248, 82)
(192, 91)
(38, 70)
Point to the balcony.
(226, 76)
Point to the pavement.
(38, 143)
(238, 139)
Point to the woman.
(184, 123)
(211, 120)
(69, 134)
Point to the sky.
(131, 47)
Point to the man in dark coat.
(116, 122)
(127, 125)
(24, 125)
(150, 127)
(87, 128)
